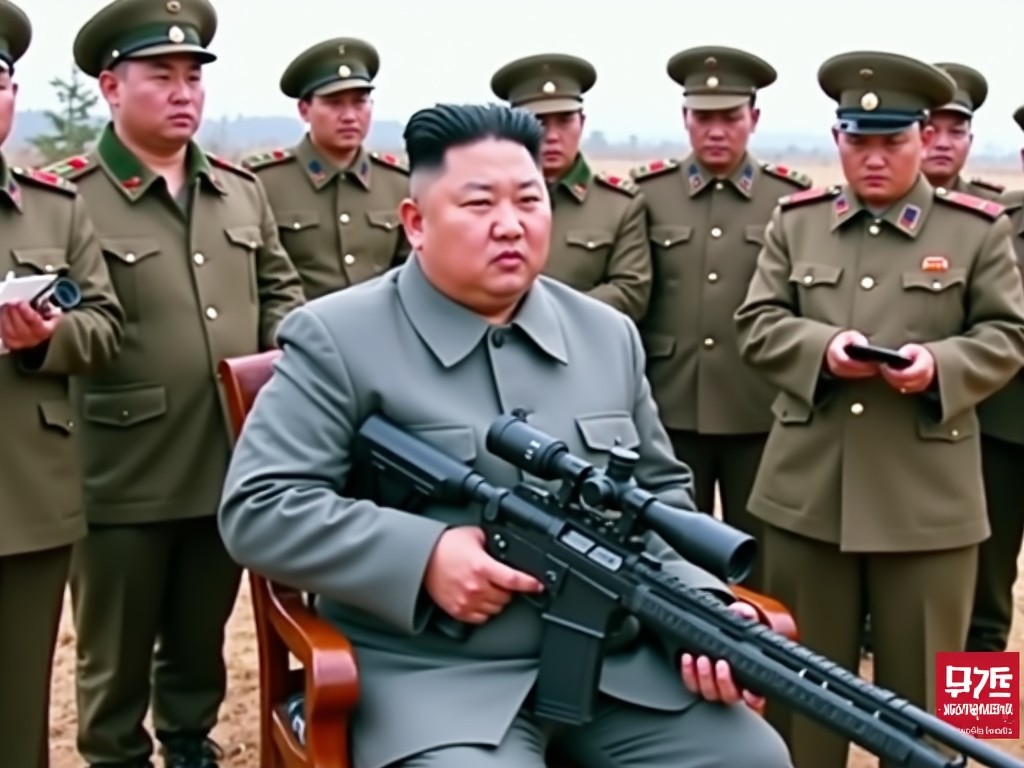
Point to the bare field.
(237, 731)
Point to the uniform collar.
(133, 178)
(9, 188)
(743, 177)
(320, 171)
(452, 331)
(576, 181)
(907, 214)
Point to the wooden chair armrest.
(332, 680)
(771, 612)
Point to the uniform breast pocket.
(668, 246)
(40, 261)
(299, 231)
(817, 290)
(934, 303)
(247, 239)
(585, 260)
(130, 261)
(385, 231)
(600, 432)
(457, 442)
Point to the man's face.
(951, 143)
(719, 137)
(562, 134)
(8, 97)
(339, 122)
(481, 224)
(882, 169)
(159, 99)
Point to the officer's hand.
(469, 584)
(917, 376)
(840, 364)
(22, 327)
(713, 681)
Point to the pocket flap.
(936, 282)
(754, 233)
(48, 260)
(667, 235)
(130, 250)
(248, 236)
(383, 219)
(125, 408)
(604, 431)
(589, 238)
(296, 220)
(789, 410)
(58, 415)
(456, 441)
(959, 428)
(810, 274)
(659, 345)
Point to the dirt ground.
(237, 731)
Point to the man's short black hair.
(431, 132)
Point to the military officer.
(45, 231)
(707, 214)
(1002, 456)
(599, 237)
(195, 257)
(336, 203)
(948, 152)
(870, 486)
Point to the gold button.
(808, 279)
(350, 259)
(936, 284)
(71, 425)
(344, 218)
(941, 191)
(668, 243)
(296, 225)
(867, 283)
(719, 185)
(48, 268)
(856, 409)
(716, 232)
(125, 414)
(709, 342)
(873, 229)
(252, 245)
(130, 258)
(954, 433)
(199, 259)
(590, 243)
(712, 277)
(211, 313)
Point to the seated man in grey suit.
(462, 333)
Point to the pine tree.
(73, 127)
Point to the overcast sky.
(435, 50)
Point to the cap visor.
(552, 106)
(343, 85)
(954, 107)
(174, 49)
(873, 127)
(707, 102)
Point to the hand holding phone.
(868, 353)
(840, 365)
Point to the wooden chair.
(328, 679)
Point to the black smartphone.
(866, 353)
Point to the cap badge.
(712, 82)
(176, 35)
(549, 87)
(344, 71)
(869, 101)
(173, 6)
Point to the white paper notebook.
(21, 289)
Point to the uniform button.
(867, 283)
(211, 312)
(856, 409)
(48, 268)
(344, 218)
(125, 415)
(71, 425)
(296, 225)
(590, 244)
(719, 185)
(936, 284)
(709, 342)
(252, 245)
(667, 243)
(712, 277)
(941, 191)
(716, 232)
(498, 338)
(808, 279)
(199, 259)
(954, 433)
(873, 229)
(350, 259)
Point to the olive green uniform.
(599, 242)
(202, 276)
(706, 232)
(340, 226)
(873, 499)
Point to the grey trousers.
(622, 736)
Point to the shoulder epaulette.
(227, 165)
(991, 186)
(45, 179)
(390, 161)
(788, 174)
(655, 168)
(618, 183)
(71, 168)
(258, 160)
(813, 195)
(987, 208)
(1012, 200)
